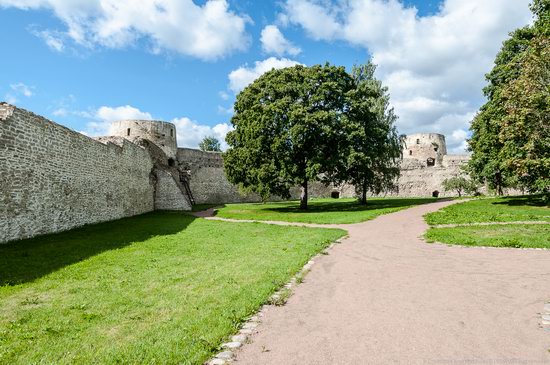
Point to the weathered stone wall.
(207, 179)
(53, 179)
(418, 179)
(169, 195)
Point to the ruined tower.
(427, 147)
(162, 134)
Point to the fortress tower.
(163, 134)
(427, 147)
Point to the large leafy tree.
(485, 164)
(289, 130)
(374, 145)
(525, 128)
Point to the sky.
(85, 63)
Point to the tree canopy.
(510, 140)
(297, 125)
(288, 130)
(210, 143)
(374, 144)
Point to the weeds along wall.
(54, 179)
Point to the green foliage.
(505, 209)
(161, 288)
(510, 235)
(510, 137)
(210, 143)
(374, 145)
(321, 211)
(288, 130)
(460, 184)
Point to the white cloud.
(19, 89)
(22, 89)
(244, 75)
(434, 65)
(273, 41)
(190, 133)
(207, 31)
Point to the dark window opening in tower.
(410, 152)
(128, 132)
(431, 162)
(418, 141)
(171, 162)
(435, 149)
(171, 133)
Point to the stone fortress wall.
(54, 179)
(426, 165)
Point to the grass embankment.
(320, 211)
(508, 209)
(158, 288)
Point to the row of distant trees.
(301, 124)
(510, 141)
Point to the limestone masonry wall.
(207, 179)
(54, 179)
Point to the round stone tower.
(162, 134)
(428, 147)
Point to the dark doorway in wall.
(431, 161)
(171, 162)
(435, 194)
(335, 195)
(128, 132)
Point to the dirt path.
(384, 296)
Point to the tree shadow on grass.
(351, 206)
(26, 260)
(527, 200)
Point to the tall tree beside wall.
(525, 132)
(374, 144)
(510, 134)
(289, 130)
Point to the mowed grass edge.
(320, 211)
(494, 210)
(162, 288)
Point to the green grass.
(321, 211)
(509, 235)
(506, 209)
(161, 288)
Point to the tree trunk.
(498, 184)
(364, 194)
(303, 196)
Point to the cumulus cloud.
(207, 31)
(189, 132)
(244, 75)
(434, 65)
(273, 41)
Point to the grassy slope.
(510, 235)
(508, 209)
(322, 211)
(158, 288)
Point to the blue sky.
(85, 63)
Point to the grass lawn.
(161, 288)
(506, 209)
(321, 211)
(509, 235)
